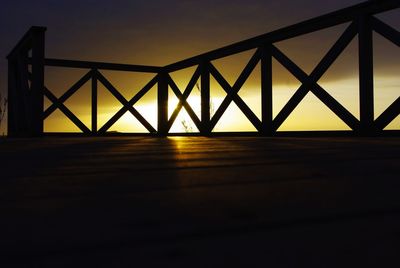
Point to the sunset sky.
(162, 32)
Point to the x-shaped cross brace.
(309, 82)
(58, 103)
(127, 105)
(183, 99)
(232, 92)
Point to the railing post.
(205, 99)
(266, 90)
(162, 105)
(19, 101)
(12, 122)
(366, 73)
(25, 106)
(37, 86)
(94, 102)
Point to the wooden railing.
(25, 94)
(26, 85)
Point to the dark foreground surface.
(200, 202)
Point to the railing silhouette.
(27, 62)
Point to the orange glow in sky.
(340, 81)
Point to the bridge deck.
(199, 202)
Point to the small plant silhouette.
(3, 107)
(187, 126)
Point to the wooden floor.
(200, 202)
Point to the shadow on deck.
(200, 202)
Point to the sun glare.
(311, 113)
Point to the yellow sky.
(311, 114)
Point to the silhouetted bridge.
(27, 62)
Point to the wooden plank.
(386, 31)
(388, 115)
(199, 200)
(308, 26)
(101, 65)
(366, 75)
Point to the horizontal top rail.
(102, 65)
(25, 41)
(308, 26)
